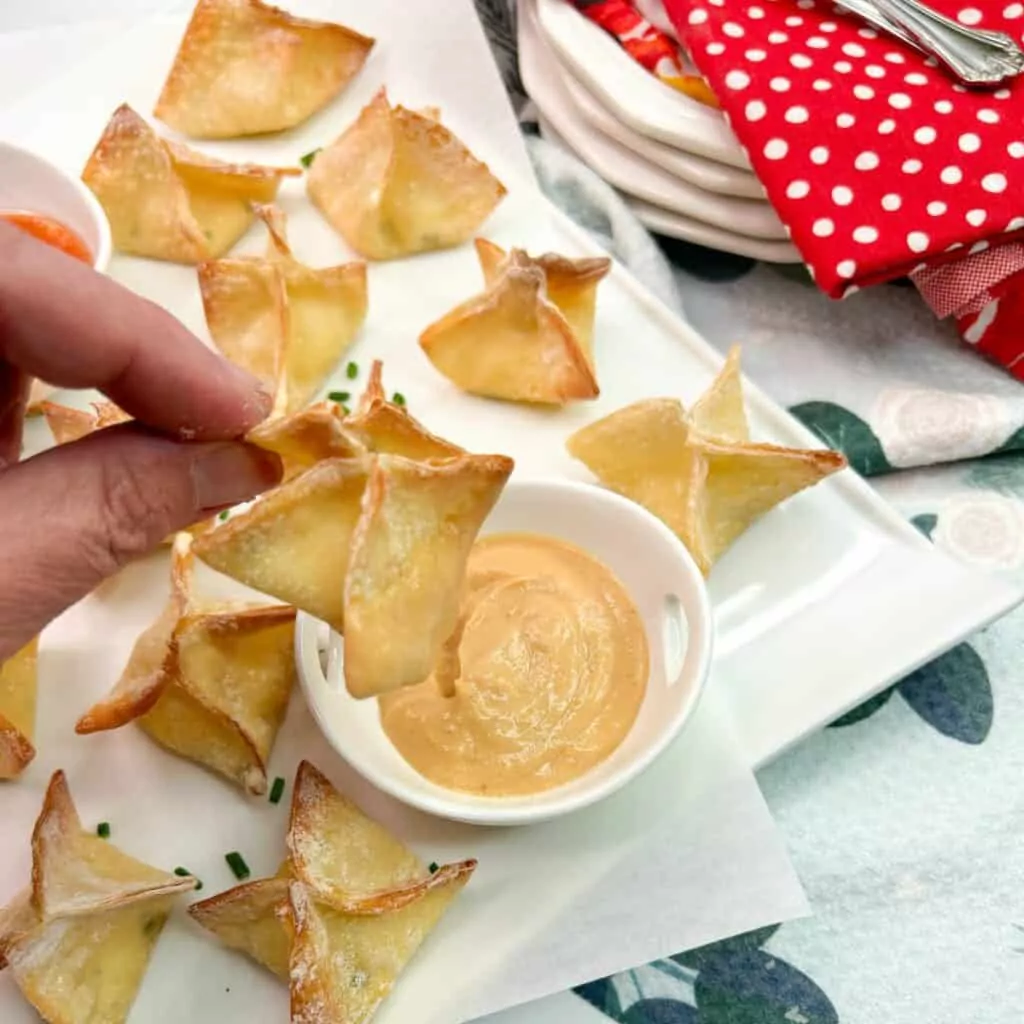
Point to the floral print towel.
(904, 818)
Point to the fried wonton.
(365, 544)
(79, 940)
(698, 472)
(210, 683)
(512, 341)
(168, 202)
(571, 285)
(245, 68)
(286, 323)
(350, 898)
(18, 710)
(398, 183)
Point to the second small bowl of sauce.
(583, 646)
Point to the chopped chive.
(352, 371)
(185, 873)
(277, 790)
(433, 867)
(237, 864)
(341, 397)
(224, 514)
(307, 158)
(103, 830)
(398, 398)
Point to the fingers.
(72, 327)
(75, 514)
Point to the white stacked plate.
(675, 160)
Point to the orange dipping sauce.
(50, 231)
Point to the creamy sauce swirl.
(548, 670)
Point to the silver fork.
(975, 56)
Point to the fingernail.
(262, 400)
(225, 474)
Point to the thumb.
(75, 514)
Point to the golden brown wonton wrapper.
(363, 544)
(512, 341)
(698, 473)
(389, 429)
(244, 68)
(286, 323)
(398, 182)
(570, 285)
(78, 941)
(18, 682)
(209, 683)
(68, 424)
(327, 431)
(350, 898)
(168, 202)
(721, 411)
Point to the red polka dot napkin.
(878, 162)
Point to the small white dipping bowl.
(667, 588)
(30, 184)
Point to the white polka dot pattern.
(874, 158)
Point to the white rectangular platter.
(817, 607)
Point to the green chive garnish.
(433, 867)
(224, 514)
(341, 397)
(237, 864)
(352, 371)
(307, 158)
(185, 873)
(103, 830)
(398, 398)
(277, 790)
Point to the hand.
(75, 514)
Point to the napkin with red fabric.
(880, 164)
